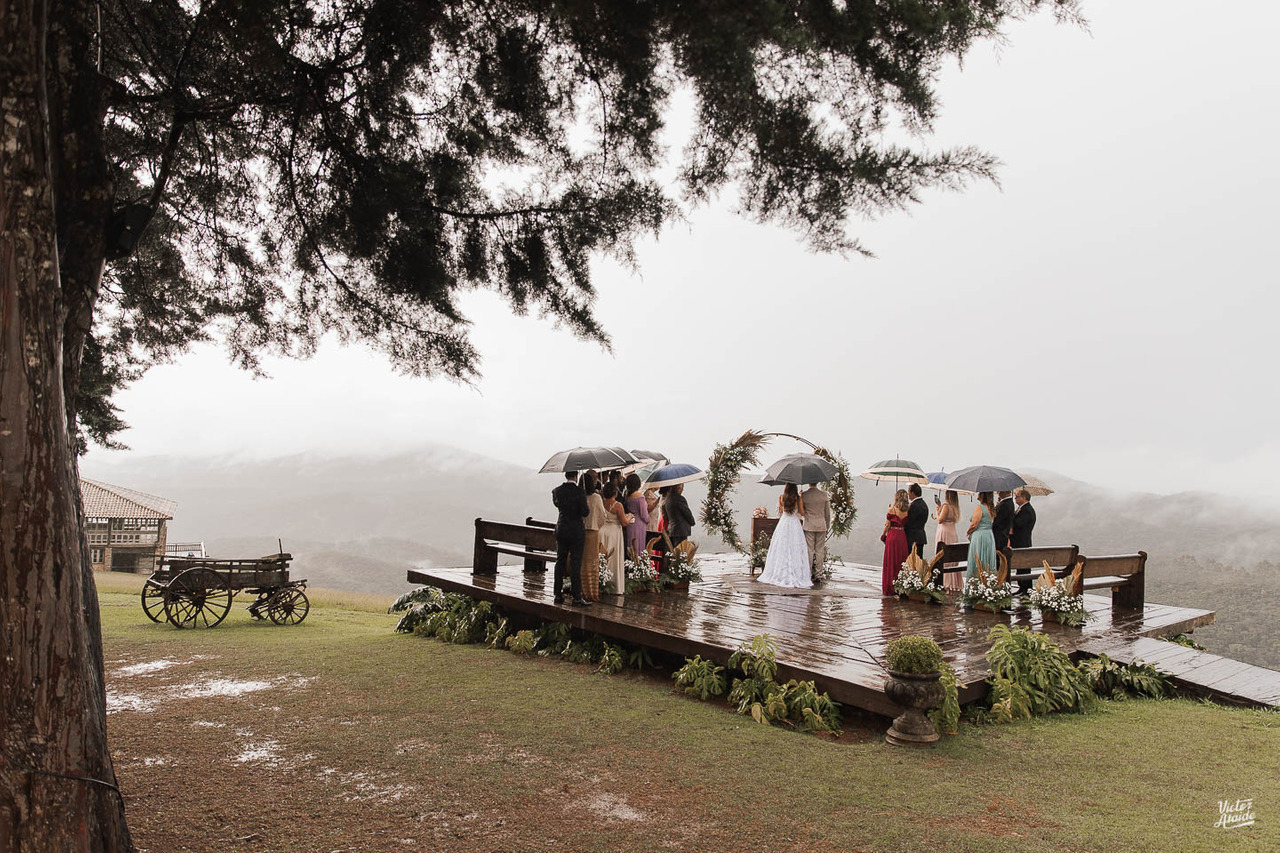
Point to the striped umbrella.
(900, 471)
(1037, 487)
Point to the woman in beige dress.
(591, 545)
(947, 514)
(611, 541)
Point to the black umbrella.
(582, 458)
(984, 478)
(651, 455)
(801, 469)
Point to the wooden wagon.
(196, 592)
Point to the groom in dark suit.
(917, 518)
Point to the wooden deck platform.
(1222, 679)
(834, 635)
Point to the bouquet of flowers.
(991, 592)
(642, 576)
(759, 551)
(760, 512)
(913, 580)
(606, 576)
(1055, 599)
(682, 567)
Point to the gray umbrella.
(801, 469)
(582, 458)
(984, 478)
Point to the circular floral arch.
(724, 470)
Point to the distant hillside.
(357, 522)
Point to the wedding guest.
(591, 550)
(611, 540)
(947, 514)
(653, 503)
(982, 544)
(638, 508)
(678, 516)
(894, 538)
(572, 505)
(817, 521)
(1002, 522)
(917, 518)
(1024, 521)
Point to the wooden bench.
(1123, 574)
(534, 542)
(1027, 564)
(956, 553)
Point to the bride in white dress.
(788, 560)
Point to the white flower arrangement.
(912, 582)
(1060, 602)
(985, 590)
(908, 582)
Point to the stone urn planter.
(916, 693)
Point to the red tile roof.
(102, 500)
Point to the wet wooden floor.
(834, 635)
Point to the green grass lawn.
(369, 740)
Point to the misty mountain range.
(356, 522)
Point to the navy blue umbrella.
(674, 475)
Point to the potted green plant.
(914, 684)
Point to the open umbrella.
(937, 480)
(673, 475)
(651, 455)
(801, 469)
(900, 471)
(627, 457)
(582, 458)
(984, 478)
(1037, 487)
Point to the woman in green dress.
(982, 542)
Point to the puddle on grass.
(154, 666)
(262, 752)
(203, 688)
(610, 805)
(366, 786)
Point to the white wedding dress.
(788, 560)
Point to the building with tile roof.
(126, 528)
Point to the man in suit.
(571, 535)
(680, 521)
(817, 520)
(917, 518)
(1002, 524)
(1024, 520)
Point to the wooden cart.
(196, 592)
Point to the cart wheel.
(288, 607)
(153, 600)
(197, 598)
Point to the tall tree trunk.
(57, 786)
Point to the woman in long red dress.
(895, 540)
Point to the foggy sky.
(1106, 312)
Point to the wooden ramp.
(834, 635)
(1224, 680)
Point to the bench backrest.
(955, 553)
(1119, 565)
(1057, 556)
(539, 538)
(530, 521)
